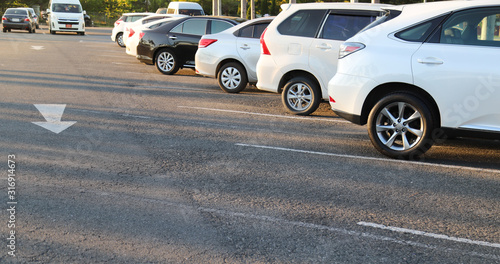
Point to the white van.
(66, 16)
(182, 8)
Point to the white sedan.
(135, 33)
(231, 55)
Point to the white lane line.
(371, 158)
(269, 115)
(422, 233)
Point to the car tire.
(400, 125)
(119, 40)
(166, 62)
(4, 30)
(232, 77)
(301, 96)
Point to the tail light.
(131, 33)
(264, 49)
(27, 19)
(4, 18)
(349, 48)
(117, 22)
(141, 35)
(206, 42)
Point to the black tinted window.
(253, 31)
(342, 27)
(420, 32)
(304, 23)
(218, 26)
(192, 27)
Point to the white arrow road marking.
(37, 47)
(53, 114)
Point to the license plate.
(68, 25)
(16, 20)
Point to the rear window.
(342, 27)
(16, 12)
(252, 31)
(304, 23)
(420, 32)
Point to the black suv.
(172, 45)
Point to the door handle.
(172, 37)
(244, 46)
(324, 46)
(430, 60)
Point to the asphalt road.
(170, 169)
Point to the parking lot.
(171, 169)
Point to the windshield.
(66, 8)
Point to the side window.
(194, 27)
(246, 32)
(304, 23)
(259, 28)
(342, 27)
(218, 26)
(420, 32)
(478, 27)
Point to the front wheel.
(301, 96)
(166, 62)
(400, 125)
(232, 78)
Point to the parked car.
(300, 46)
(88, 20)
(18, 18)
(66, 16)
(173, 45)
(231, 55)
(119, 26)
(136, 32)
(430, 71)
(129, 31)
(35, 16)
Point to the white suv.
(300, 49)
(430, 71)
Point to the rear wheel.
(232, 78)
(166, 62)
(4, 30)
(119, 40)
(400, 125)
(301, 96)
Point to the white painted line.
(269, 115)
(372, 158)
(422, 233)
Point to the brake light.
(141, 35)
(206, 42)
(4, 18)
(264, 49)
(27, 19)
(349, 48)
(131, 33)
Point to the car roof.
(354, 6)
(256, 20)
(137, 14)
(415, 13)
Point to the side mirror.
(48, 11)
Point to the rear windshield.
(66, 8)
(16, 12)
